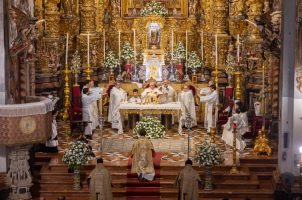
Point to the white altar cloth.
(173, 108)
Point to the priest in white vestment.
(211, 109)
(117, 96)
(187, 101)
(87, 100)
(241, 120)
(207, 90)
(168, 92)
(94, 111)
(151, 94)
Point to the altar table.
(173, 108)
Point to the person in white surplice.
(207, 90)
(95, 91)
(211, 112)
(168, 92)
(87, 100)
(117, 96)
(187, 101)
(241, 121)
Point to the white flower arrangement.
(153, 127)
(77, 155)
(111, 61)
(193, 61)
(180, 52)
(127, 52)
(154, 8)
(208, 154)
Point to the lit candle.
(66, 54)
(104, 44)
(172, 43)
(186, 45)
(88, 49)
(216, 50)
(238, 48)
(201, 42)
(119, 46)
(134, 47)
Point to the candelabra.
(135, 75)
(212, 133)
(261, 143)
(88, 71)
(101, 125)
(66, 93)
(234, 169)
(119, 76)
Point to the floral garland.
(153, 127)
(180, 52)
(111, 62)
(208, 154)
(154, 8)
(194, 61)
(127, 52)
(77, 155)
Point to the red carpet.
(137, 190)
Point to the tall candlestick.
(238, 48)
(134, 47)
(186, 45)
(104, 44)
(216, 50)
(201, 42)
(172, 45)
(66, 54)
(88, 49)
(119, 46)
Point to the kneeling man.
(142, 161)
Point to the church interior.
(213, 86)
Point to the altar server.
(211, 109)
(117, 96)
(187, 101)
(51, 145)
(135, 98)
(241, 120)
(87, 100)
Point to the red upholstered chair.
(257, 123)
(76, 104)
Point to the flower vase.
(76, 179)
(208, 179)
(111, 71)
(194, 71)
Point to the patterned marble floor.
(174, 147)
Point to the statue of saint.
(154, 36)
(192, 7)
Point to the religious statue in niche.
(67, 6)
(116, 7)
(236, 8)
(154, 36)
(94, 56)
